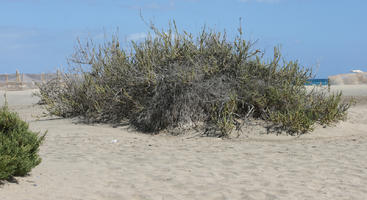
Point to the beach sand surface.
(82, 161)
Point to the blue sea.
(318, 81)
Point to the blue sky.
(328, 35)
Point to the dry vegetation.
(174, 79)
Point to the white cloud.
(18, 46)
(9, 33)
(16, 38)
(137, 36)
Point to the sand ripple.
(83, 162)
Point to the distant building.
(357, 71)
(358, 77)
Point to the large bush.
(174, 79)
(18, 146)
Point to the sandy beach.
(85, 162)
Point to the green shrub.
(173, 79)
(18, 146)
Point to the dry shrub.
(174, 80)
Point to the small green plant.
(18, 145)
(223, 116)
(173, 78)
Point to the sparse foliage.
(173, 79)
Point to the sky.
(329, 36)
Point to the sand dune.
(349, 79)
(100, 162)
